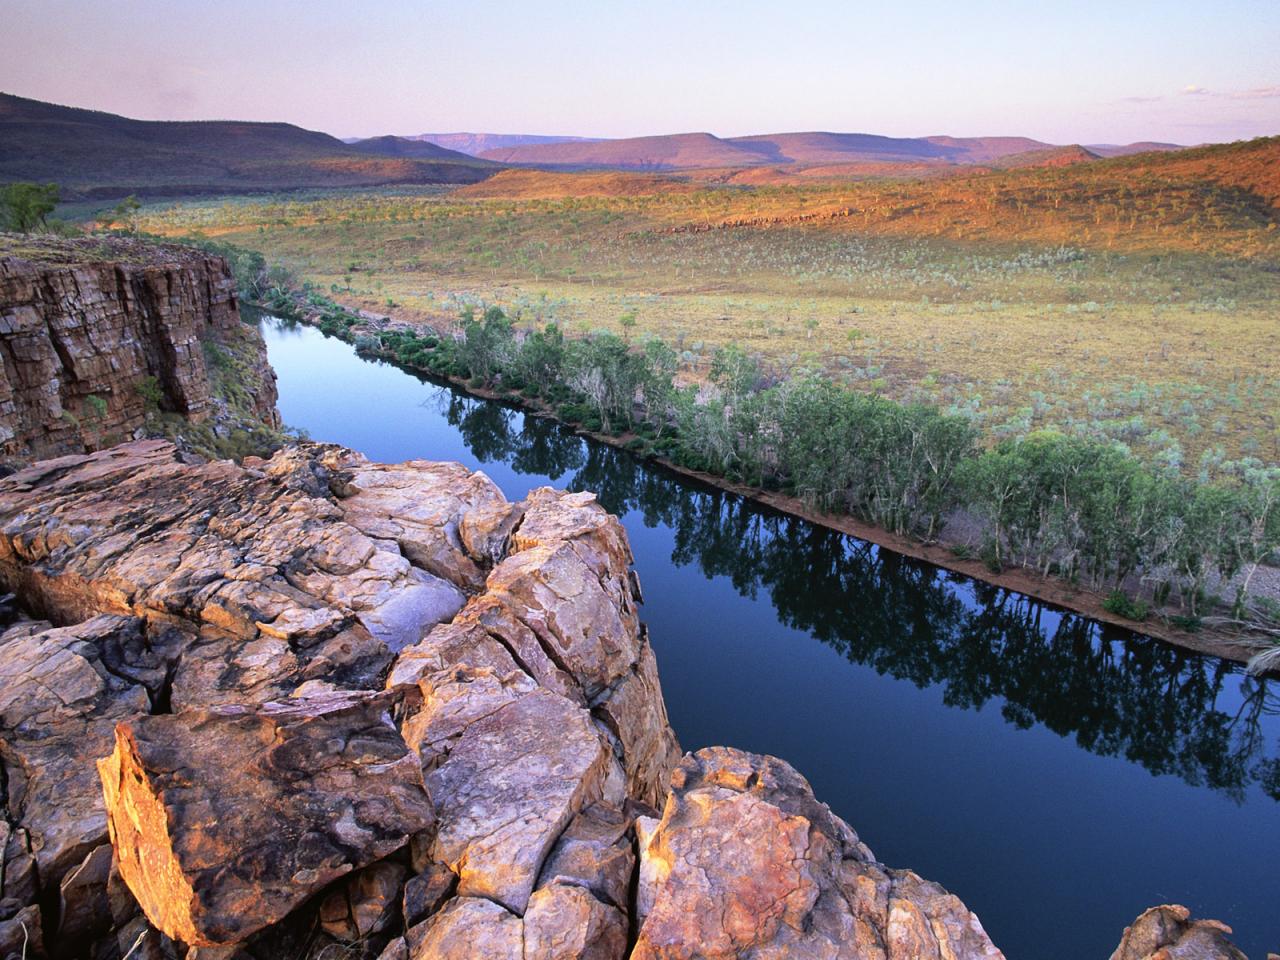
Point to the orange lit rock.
(565, 922)
(225, 820)
(468, 928)
(745, 863)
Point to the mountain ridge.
(95, 154)
(808, 148)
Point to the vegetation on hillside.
(26, 206)
(1128, 300)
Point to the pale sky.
(1071, 71)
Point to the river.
(1058, 775)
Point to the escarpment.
(96, 335)
(317, 706)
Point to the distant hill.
(474, 144)
(667, 152)
(816, 148)
(410, 147)
(1047, 157)
(524, 184)
(94, 154)
(1124, 150)
(829, 148)
(1224, 197)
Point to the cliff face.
(95, 334)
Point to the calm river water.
(1058, 775)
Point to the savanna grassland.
(1135, 299)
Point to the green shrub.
(1122, 605)
(96, 406)
(152, 394)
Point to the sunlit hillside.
(1133, 298)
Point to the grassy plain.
(1135, 298)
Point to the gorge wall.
(95, 334)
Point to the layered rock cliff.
(98, 334)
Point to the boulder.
(224, 820)
(565, 922)
(62, 690)
(21, 935)
(468, 928)
(85, 906)
(426, 892)
(1168, 933)
(365, 904)
(596, 851)
(745, 863)
(448, 520)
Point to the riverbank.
(364, 330)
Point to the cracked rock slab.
(225, 820)
(508, 788)
(62, 690)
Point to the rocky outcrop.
(95, 334)
(305, 667)
(317, 706)
(1169, 933)
(745, 863)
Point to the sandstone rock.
(279, 588)
(80, 335)
(565, 922)
(595, 852)
(587, 627)
(397, 949)
(19, 883)
(745, 863)
(62, 690)
(426, 892)
(365, 904)
(462, 675)
(85, 909)
(446, 519)
(635, 715)
(1168, 933)
(507, 789)
(554, 516)
(224, 820)
(363, 658)
(466, 929)
(21, 935)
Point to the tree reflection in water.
(1118, 694)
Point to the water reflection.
(1117, 695)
